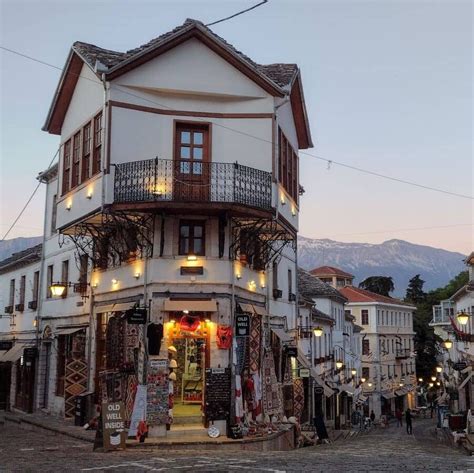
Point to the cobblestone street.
(378, 450)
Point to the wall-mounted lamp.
(68, 206)
(318, 331)
(439, 369)
(89, 195)
(263, 286)
(192, 258)
(433, 378)
(185, 311)
(431, 385)
(339, 364)
(252, 285)
(238, 276)
(438, 383)
(353, 371)
(462, 317)
(448, 344)
(363, 380)
(114, 281)
(282, 199)
(293, 212)
(95, 284)
(369, 384)
(137, 275)
(420, 380)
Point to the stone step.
(188, 420)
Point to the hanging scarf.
(224, 337)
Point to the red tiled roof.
(330, 271)
(356, 294)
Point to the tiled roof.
(310, 286)
(22, 258)
(330, 271)
(318, 314)
(356, 294)
(281, 74)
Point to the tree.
(382, 285)
(415, 292)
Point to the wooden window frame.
(11, 296)
(49, 280)
(364, 317)
(97, 144)
(76, 160)
(67, 155)
(366, 372)
(365, 347)
(191, 250)
(86, 151)
(288, 166)
(65, 276)
(22, 289)
(35, 290)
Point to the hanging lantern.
(339, 364)
(318, 331)
(462, 317)
(448, 343)
(57, 289)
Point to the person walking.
(408, 419)
(399, 416)
(372, 417)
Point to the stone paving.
(379, 450)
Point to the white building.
(457, 350)
(177, 192)
(387, 346)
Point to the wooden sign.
(192, 270)
(217, 394)
(242, 325)
(113, 425)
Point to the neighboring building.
(322, 305)
(456, 388)
(334, 276)
(165, 203)
(19, 296)
(387, 349)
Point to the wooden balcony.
(166, 184)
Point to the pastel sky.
(388, 87)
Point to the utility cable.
(28, 201)
(237, 14)
(326, 160)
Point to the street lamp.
(363, 380)
(353, 371)
(57, 289)
(318, 331)
(401, 385)
(439, 369)
(339, 364)
(420, 380)
(433, 378)
(369, 384)
(431, 385)
(462, 317)
(448, 343)
(438, 384)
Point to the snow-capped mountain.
(397, 258)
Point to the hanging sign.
(292, 351)
(242, 325)
(5, 344)
(460, 365)
(30, 353)
(113, 425)
(136, 316)
(304, 373)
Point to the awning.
(362, 398)
(191, 305)
(328, 392)
(282, 335)
(259, 310)
(14, 353)
(468, 377)
(400, 392)
(68, 331)
(119, 307)
(388, 395)
(246, 307)
(348, 388)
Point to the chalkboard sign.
(218, 393)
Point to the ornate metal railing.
(156, 180)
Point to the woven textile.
(131, 342)
(255, 343)
(298, 397)
(75, 383)
(241, 354)
(115, 342)
(288, 400)
(130, 396)
(272, 393)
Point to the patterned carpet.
(272, 392)
(255, 343)
(298, 397)
(75, 384)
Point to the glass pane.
(184, 168)
(198, 247)
(185, 152)
(198, 231)
(198, 137)
(197, 153)
(184, 246)
(185, 137)
(184, 230)
(197, 168)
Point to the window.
(66, 166)
(49, 281)
(290, 283)
(86, 152)
(365, 317)
(54, 211)
(365, 347)
(366, 372)
(22, 290)
(83, 264)
(11, 299)
(274, 276)
(34, 294)
(191, 238)
(76, 160)
(288, 166)
(96, 161)
(65, 275)
(192, 149)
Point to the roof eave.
(298, 106)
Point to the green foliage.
(426, 342)
(415, 292)
(379, 284)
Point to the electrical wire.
(237, 14)
(321, 158)
(28, 201)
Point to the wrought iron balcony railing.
(161, 180)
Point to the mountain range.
(396, 258)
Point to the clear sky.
(388, 86)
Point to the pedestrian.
(399, 416)
(372, 417)
(408, 419)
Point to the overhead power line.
(237, 14)
(328, 161)
(28, 201)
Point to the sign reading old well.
(113, 424)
